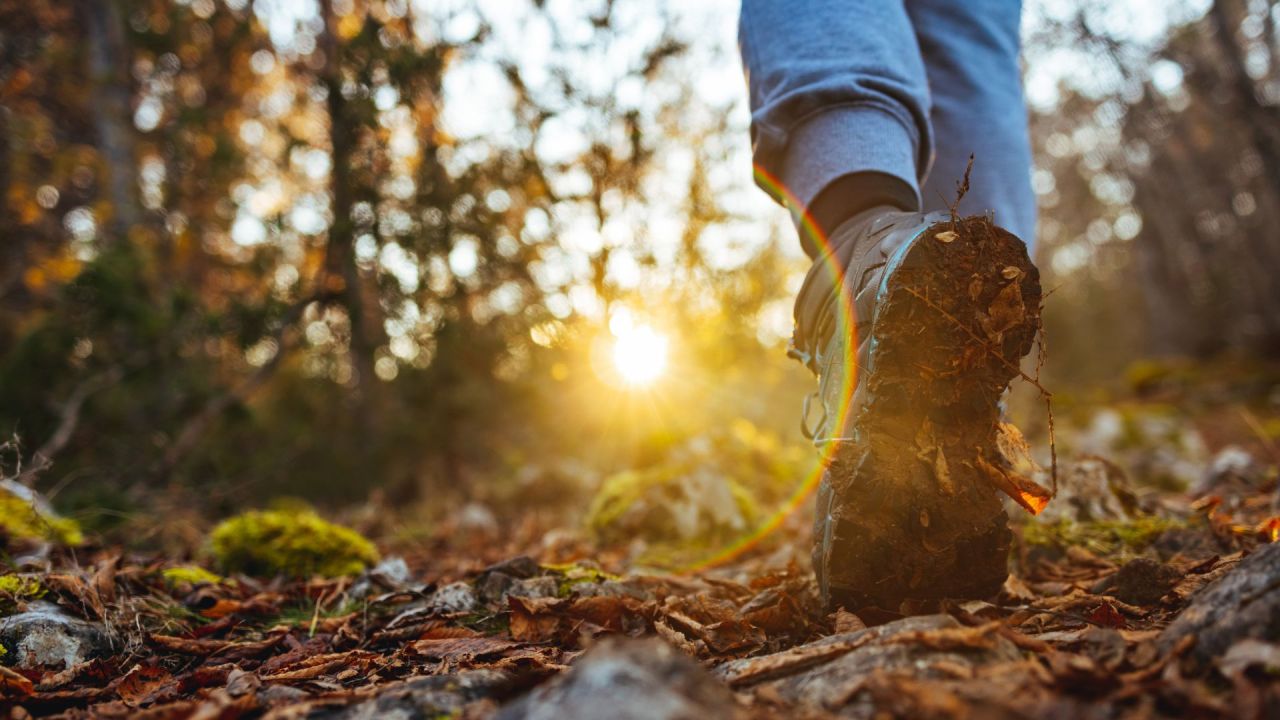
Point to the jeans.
(909, 88)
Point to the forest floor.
(1151, 588)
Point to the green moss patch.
(1101, 537)
(18, 588)
(25, 516)
(190, 575)
(570, 575)
(296, 543)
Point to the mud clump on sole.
(914, 510)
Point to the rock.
(1089, 489)
(456, 597)
(1153, 443)
(825, 674)
(614, 588)
(26, 515)
(539, 587)
(1250, 653)
(677, 501)
(1232, 474)
(628, 679)
(45, 636)
(390, 574)
(520, 566)
(1243, 604)
(1140, 581)
(519, 576)
(295, 542)
(477, 521)
(425, 697)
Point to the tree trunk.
(340, 259)
(111, 94)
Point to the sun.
(639, 354)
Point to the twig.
(1042, 353)
(962, 189)
(70, 417)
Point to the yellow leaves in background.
(52, 272)
(349, 25)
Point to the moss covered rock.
(296, 543)
(702, 490)
(671, 502)
(16, 589)
(25, 515)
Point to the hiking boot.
(915, 325)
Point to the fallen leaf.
(13, 685)
(534, 620)
(463, 649)
(1024, 491)
(1106, 615)
(843, 621)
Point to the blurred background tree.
(389, 248)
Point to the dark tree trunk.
(340, 259)
(112, 92)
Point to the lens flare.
(640, 354)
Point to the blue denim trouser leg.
(909, 88)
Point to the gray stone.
(426, 697)
(1233, 475)
(45, 636)
(390, 574)
(1089, 489)
(456, 597)
(1243, 604)
(628, 679)
(538, 587)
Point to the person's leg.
(970, 52)
(839, 102)
(912, 322)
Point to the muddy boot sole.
(907, 509)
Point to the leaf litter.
(1116, 628)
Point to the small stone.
(457, 597)
(477, 520)
(520, 566)
(44, 636)
(628, 679)
(946, 236)
(1011, 272)
(1092, 488)
(423, 697)
(1233, 473)
(539, 587)
(390, 574)
(1248, 653)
